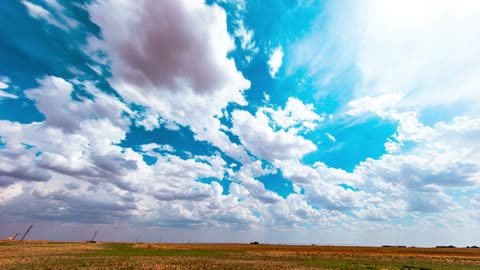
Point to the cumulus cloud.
(296, 116)
(69, 114)
(187, 53)
(254, 187)
(414, 180)
(380, 105)
(177, 66)
(53, 202)
(274, 134)
(321, 184)
(76, 139)
(261, 140)
(446, 159)
(17, 166)
(72, 166)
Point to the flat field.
(63, 255)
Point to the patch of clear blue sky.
(182, 140)
(277, 183)
(2, 143)
(431, 115)
(354, 143)
(348, 187)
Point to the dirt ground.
(77, 255)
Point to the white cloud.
(445, 159)
(275, 61)
(296, 116)
(320, 184)
(247, 42)
(181, 72)
(380, 105)
(331, 137)
(254, 187)
(57, 166)
(425, 49)
(38, 12)
(153, 146)
(9, 192)
(239, 4)
(69, 114)
(3, 85)
(77, 138)
(4, 94)
(273, 134)
(427, 52)
(170, 193)
(261, 140)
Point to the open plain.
(77, 255)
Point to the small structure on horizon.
(93, 238)
(450, 246)
(25, 234)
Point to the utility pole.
(95, 234)
(25, 234)
(138, 238)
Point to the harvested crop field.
(60, 255)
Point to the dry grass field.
(62, 255)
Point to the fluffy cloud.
(77, 138)
(18, 163)
(261, 140)
(321, 185)
(445, 159)
(254, 187)
(177, 66)
(296, 116)
(52, 201)
(69, 163)
(171, 59)
(69, 113)
(273, 134)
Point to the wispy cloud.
(275, 61)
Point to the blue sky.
(334, 122)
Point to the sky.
(326, 122)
